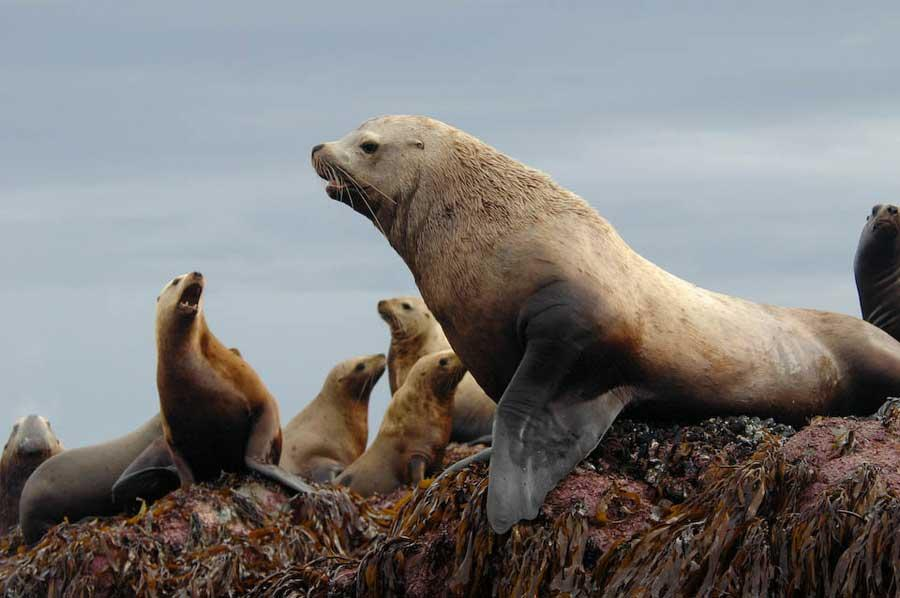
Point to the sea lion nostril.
(196, 275)
(317, 148)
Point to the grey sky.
(739, 146)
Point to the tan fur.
(416, 333)
(331, 432)
(417, 424)
(215, 409)
(504, 257)
(30, 443)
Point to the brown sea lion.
(877, 269)
(331, 432)
(414, 432)
(77, 483)
(217, 413)
(415, 333)
(30, 443)
(555, 315)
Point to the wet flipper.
(487, 439)
(553, 413)
(479, 457)
(275, 473)
(150, 476)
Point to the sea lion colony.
(548, 311)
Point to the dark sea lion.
(30, 443)
(414, 432)
(555, 315)
(415, 333)
(331, 432)
(77, 483)
(877, 269)
(217, 413)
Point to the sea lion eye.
(443, 361)
(360, 367)
(175, 281)
(370, 147)
(407, 306)
(892, 210)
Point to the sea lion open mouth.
(342, 187)
(190, 299)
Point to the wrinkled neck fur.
(471, 199)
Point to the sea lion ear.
(419, 143)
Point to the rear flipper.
(273, 472)
(150, 476)
(416, 469)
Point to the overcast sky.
(739, 146)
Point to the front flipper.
(325, 473)
(150, 476)
(479, 457)
(416, 469)
(273, 472)
(560, 402)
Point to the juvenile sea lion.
(558, 317)
(877, 269)
(30, 443)
(77, 483)
(217, 414)
(331, 432)
(414, 432)
(415, 333)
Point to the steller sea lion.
(414, 432)
(877, 269)
(414, 333)
(30, 443)
(331, 432)
(217, 414)
(556, 315)
(77, 483)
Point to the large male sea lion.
(558, 318)
(30, 443)
(77, 483)
(877, 269)
(414, 432)
(331, 432)
(415, 333)
(217, 414)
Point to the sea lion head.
(180, 303)
(356, 377)
(407, 317)
(440, 373)
(879, 239)
(378, 168)
(31, 440)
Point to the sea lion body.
(217, 415)
(30, 443)
(331, 432)
(416, 333)
(414, 432)
(558, 317)
(877, 269)
(77, 483)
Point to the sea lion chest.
(207, 416)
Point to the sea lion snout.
(316, 148)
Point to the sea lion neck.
(177, 336)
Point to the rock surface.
(731, 506)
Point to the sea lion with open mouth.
(217, 413)
(555, 315)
